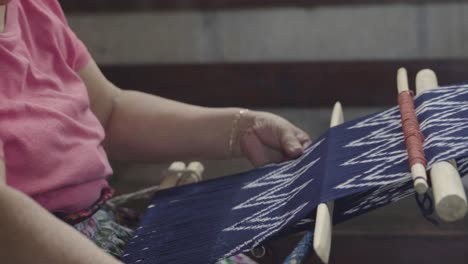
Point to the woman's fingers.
(272, 139)
(291, 144)
(303, 138)
(268, 131)
(257, 152)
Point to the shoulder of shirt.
(50, 6)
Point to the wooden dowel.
(141, 194)
(170, 179)
(418, 170)
(192, 174)
(324, 218)
(172, 175)
(449, 194)
(176, 174)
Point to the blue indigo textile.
(361, 165)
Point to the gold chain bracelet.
(235, 128)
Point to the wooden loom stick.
(447, 186)
(192, 174)
(177, 174)
(418, 170)
(172, 175)
(324, 218)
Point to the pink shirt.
(50, 139)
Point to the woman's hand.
(265, 138)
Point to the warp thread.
(217, 217)
(427, 207)
(413, 137)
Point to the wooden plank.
(390, 249)
(382, 249)
(145, 5)
(289, 84)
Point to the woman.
(60, 117)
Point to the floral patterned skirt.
(103, 228)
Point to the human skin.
(139, 127)
(146, 127)
(30, 234)
(26, 227)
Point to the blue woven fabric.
(362, 165)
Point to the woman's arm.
(142, 127)
(145, 127)
(30, 234)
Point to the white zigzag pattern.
(381, 196)
(384, 155)
(463, 166)
(446, 125)
(276, 198)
